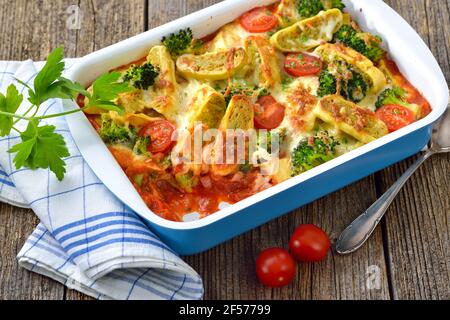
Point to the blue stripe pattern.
(88, 240)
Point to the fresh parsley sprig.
(41, 145)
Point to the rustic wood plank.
(17, 283)
(416, 226)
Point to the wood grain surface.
(411, 249)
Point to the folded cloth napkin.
(88, 240)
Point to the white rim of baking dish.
(432, 74)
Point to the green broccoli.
(111, 132)
(239, 87)
(337, 4)
(246, 168)
(328, 84)
(355, 88)
(141, 77)
(366, 44)
(179, 43)
(266, 140)
(310, 8)
(141, 146)
(187, 181)
(313, 152)
(395, 96)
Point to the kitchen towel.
(87, 239)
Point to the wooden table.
(410, 249)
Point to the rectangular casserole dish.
(405, 46)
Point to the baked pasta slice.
(263, 67)
(217, 65)
(360, 123)
(335, 54)
(309, 33)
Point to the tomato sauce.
(161, 193)
(414, 96)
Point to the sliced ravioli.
(360, 123)
(208, 107)
(239, 115)
(230, 36)
(287, 13)
(162, 97)
(309, 33)
(331, 53)
(218, 65)
(263, 62)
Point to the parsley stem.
(16, 130)
(25, 114)
(61, 114)
(13, 115)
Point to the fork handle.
(362, 228)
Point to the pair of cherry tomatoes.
(276, 267)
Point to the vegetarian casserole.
(302, 73)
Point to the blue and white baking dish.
(408, 50)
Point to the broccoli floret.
(141, 146)
(187, 181)
(366, 44)
(337, 4)
(141, 77)
(313, 152)
(328, 84)
(395, 96)
(246, 168)
(266, 140)
(238, 88)
(355, 88)
(310, 8)
(178, 43)
(111, 132)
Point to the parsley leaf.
(41, 147)
(9, 103)
(106, 89)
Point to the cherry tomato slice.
(160, 133)
(395, 116)
(259, 20)
(309, 244)
(275, 268)
(302, 64)
(269, 114)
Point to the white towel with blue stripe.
(88, 240)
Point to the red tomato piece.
(275, 268)
(309, 244)
(302, 64)
(160, 134)
(259, 20)
(269, 114)
(395, 116)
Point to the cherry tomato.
(275, 268)
(302, 64)
(259, 20)
(309, 244)
(395, 117)
(160, 133)
(269, 114)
